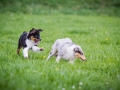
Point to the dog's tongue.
(36, 41)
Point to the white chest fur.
(30, 43)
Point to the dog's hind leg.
(19, 47)
(18, 50)
(49, 57)
(52, 53)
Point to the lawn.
(98, 35)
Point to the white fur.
(65, 49)
(35, 49)
(25, 52)
(30, 45)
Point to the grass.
(81, 7)
(97, 35)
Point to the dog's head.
(79, 53)
(34, 35)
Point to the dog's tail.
(24, 32)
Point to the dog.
(66, 49)
(29, 41)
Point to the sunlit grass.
(97, 35)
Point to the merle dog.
(66, 49)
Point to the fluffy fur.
(66, 49)
(29, 41)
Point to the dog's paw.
(71, 62)
(41, 49)
(26, 57)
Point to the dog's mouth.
(82, 57)
(36, 40)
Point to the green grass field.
(99, 37)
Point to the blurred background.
(79, 7)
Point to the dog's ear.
(32, 31)
(40, 30)
(76, 49)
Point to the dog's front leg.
(25, 52)
(71, 61)
(58, 59)
(36, 49)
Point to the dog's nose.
(40, 39)
(83, 58)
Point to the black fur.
(21, 42)
(78, 50)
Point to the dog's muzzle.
(77, 55)
(83, 57)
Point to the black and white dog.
(66, 49)
(29, 41)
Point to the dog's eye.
(80, 52)
(36, 36)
